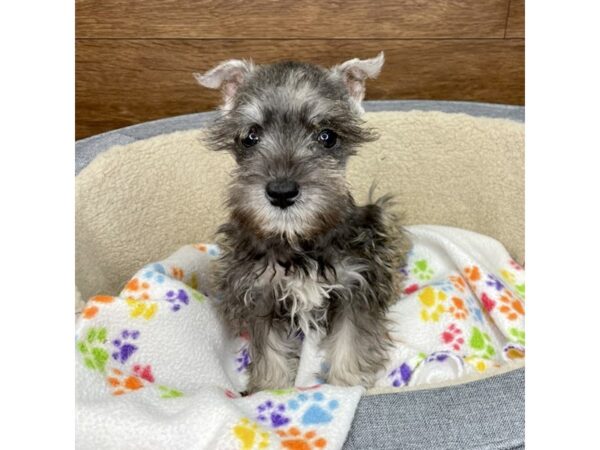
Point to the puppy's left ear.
(227, 76)
(354, 73)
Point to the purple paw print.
(438, 356)
(401, 375)
(177, 298)
(273, 415)
(124, 347)
(494, 282)
(243, 360)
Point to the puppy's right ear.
(227, 76)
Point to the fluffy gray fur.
(323, 264)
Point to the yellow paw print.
(141, 308)
(481, 365)
(250, 435)
(433, 304)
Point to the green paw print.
(92, 349)
(422, 270)
(481, 343)
(197, 296)
(518, 335)
(166, 392)
(281, 391)
(520, 289)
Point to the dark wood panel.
(515, 25)
(286, 19)
(123, 82)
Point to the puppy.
(298, 254)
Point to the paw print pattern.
(250, 435)
(512, 352)
(141, 308)
(177, 298)
(144, 372)
(401, 375)
(155, 272)
(474, 309)
(432, 301)
(124, 346)
(481, 344)
(177, 272)
(243, 360)
(92, 306)
(494, 282)
(518, 335)
(273, 415)
(511, 280)
(93, 350)
(137, 289)
(123, 383)
(421, 270)
(458, 308)
(472, 273)
(510, 306)
(211, 249)
(317, 409)
(453, 337)
(487, 302)
(458, 282)
(166, 392)
(293, 439)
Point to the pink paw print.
(453, 337)
(144, 372)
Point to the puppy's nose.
(282, 193)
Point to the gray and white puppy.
(299, 255)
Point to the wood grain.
(287, 19)
(515, 25)
(123, 82)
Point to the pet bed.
(141, 201)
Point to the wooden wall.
(135, 58)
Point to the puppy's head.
(291, 128)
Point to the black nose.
(282, 193)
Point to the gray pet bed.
(483, 414)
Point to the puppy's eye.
(327, 138)
(252, 138)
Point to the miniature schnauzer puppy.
(298, 254)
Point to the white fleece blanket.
(154, 369)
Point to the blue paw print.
(443, 285)
(271, 414)
(400, 375)
(124, 348)
(474, 309)
(155, 272)
(318, 410)
(213, 250)
(494, 282)
(177, 298)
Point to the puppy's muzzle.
(282, 193)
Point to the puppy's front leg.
(273, 354)
(356, 346)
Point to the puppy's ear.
(354, 72)
(227, 76)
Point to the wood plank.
(287, 19)
(515, 25)
(123, 82)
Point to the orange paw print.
(458, 282)
(177, 273)
(458, 308)
(91, 310)
(123, 383)
(293, 439)
(473, 273)
(134, 285)
(510, 306)
(201, 248)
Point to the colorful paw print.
(494, 282)
(401, 375)
(458, 282)
(480, 364)
(512, 352)
(93, 350)
(518, 335)
(123, 383)
(144, 372)
(453, 337)
(92, 306)
(177, 273)
(211, 249)
(155, 272)
(432, 301)
(269, 413)
(137, 290)
(141, 308)
(177, 298)
(487, 302)
(472, 273)
(481, 343)
(124, 346)
(243, 360)
(421, 270)
(458, 308)
(293, 439)
(317, 410)
(166, 392)
(474, 309)
(511, 280)
(250, 435)
(510, 306)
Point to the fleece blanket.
(155, 370)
